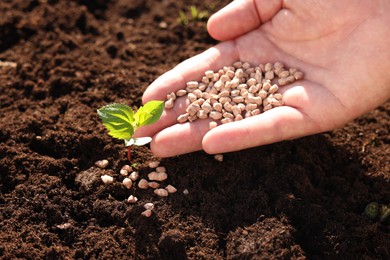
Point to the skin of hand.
(342, 46)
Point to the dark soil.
(295, 199)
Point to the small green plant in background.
(121, 121)
(134, 165)
(195, 15)
(183, 18)
(377, 212)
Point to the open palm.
(342, 46)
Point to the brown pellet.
(205, 95)
(153, 184)
(269, 75)
(290, 79)
(254, 88)
(170, 189)
(239, 73)
(197, 93)
(157, 176)
(235, 92)
(236, 110)
(267, 107)
(209, 74)
(278, 96)
(256, 112)
(107, 179)
(238, 117)
(278, 65)
(298, 75)
(123, 172)
(149, 206)
(282, 81)
(230, 74)
(169, 104)
(127, 168)
(161, 192)
(171, 96)
(237, 64)
(273, 89)
(250, 107)
(147, 213)
(258, 76)
(241, 106)
(217, 107)
(212, 125)
(205, 80)
(223, 100)
(192, 109)
(206, 107)
(154, 164)
(238, 99)
(143, 184)
(215, 115)
(192, 84)
(284, 74)
(293, 70)
(134, 176)
(268, 67)
(132, 199)
(224, 93)
(181, 92)
(182, 118)
(191, 97)
(246, 65)
(102, 163)
(201, 114)
(226, 120)
(250, 82)
(228, 107)
(127, 183)
(161, 169)
(218, 157)
(228, 115)
(266, 85)
(192, 118)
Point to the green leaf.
(194, 12)
(118, 119)
(183, 18)
(149, 113)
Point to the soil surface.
(295, 199)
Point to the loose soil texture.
(295, 199)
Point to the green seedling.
(195, 15)
(376, 211)
(183, 18)
(121, 121)
(134, 165)
(372, 210)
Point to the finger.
(240, 17)
(180, 138)
(275, 125)
(191, 69)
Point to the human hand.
(342, 46)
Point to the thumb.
(240, 17)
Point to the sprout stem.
(128, 152)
